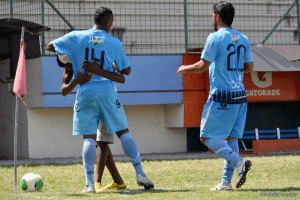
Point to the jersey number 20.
(233, 51)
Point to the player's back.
(227, 70)
(96, 45)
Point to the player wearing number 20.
(227, 55)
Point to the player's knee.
(202, 140)
(120, 133)
(90, 136)
(102, 145)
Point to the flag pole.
(17, 126)
(16, 144)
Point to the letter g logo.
(262, 79)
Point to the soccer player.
(92, 53)
(227, 55)
(105, 158)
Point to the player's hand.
(92, 67)
(87, 66)
(181, 70)
(82, 78)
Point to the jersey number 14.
(99, 61)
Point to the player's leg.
(221, 147)
(85, 123)
(102, 152)
(228, 169)
(114, 117)
(104, 158)
(216, 124)
(237, 132)
(89, 158)
(130, 148)
(118, 182)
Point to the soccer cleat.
(223, 186)
(142, 180)
(98, 187)
(112, 186)
(89, 189)
(242, 171)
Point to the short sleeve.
(121, 59)
(65, 44)
(210, 50)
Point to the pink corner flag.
(20, 85)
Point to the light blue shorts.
(98, 101)
(221, 120)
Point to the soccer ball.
(32, 182)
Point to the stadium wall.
(153, 80)
(152, 99)
(270, 86)
(260, 87)
(7, 113)
(7, 110)
(50, 132)
(160, 106)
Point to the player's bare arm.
(248, 67)
(198, 67)
(126, 71)
(68, 84)
(94, 68)
(50, 47)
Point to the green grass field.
(276, 177)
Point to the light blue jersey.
(224, 113)
(227, 50)
(91, 45)
(96, 100)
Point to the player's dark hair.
(102, 14)
(226, 12)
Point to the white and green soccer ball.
(32, 182)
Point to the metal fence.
(162, 26)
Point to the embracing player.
(92, 53)
(227, 55)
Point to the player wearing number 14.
(98, 60)
(227, 55)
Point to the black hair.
(226, 12)
(102, 14)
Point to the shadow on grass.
(289, 189)
(131, 192)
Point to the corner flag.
(20, 85)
